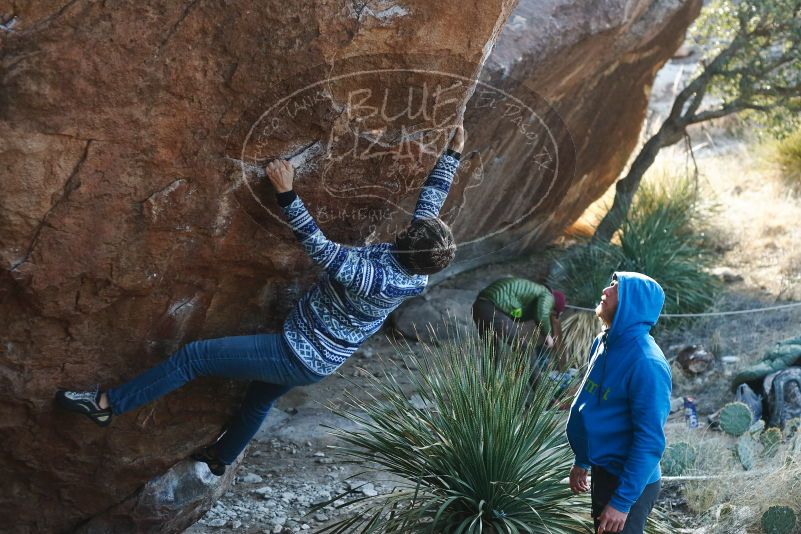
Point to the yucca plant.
(584, 270)
(659, 238)
(487, 454)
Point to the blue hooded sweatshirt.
(618, 417)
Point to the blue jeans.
(265, 359)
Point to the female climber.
(360, 287)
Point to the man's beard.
(600, 314)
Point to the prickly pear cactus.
(791, 427)
(778, 520)
(746, 452)
(735, 418)
(757, 428)
(678, 459)
(770, 439)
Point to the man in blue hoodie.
(616, 422)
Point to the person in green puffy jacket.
(515, 308)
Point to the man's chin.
(599, 312)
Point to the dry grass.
(756, 228)
(786, 155)
(791, 277)
(761, 213)
(745, 494)
(578, 330)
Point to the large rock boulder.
(594, 64)
(439, 314)
(133, 222)
(166, 503)
(128, 227)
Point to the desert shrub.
(481, 450)
(486, 454)
(786, 153)
(662, 237)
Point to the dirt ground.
(755, 229)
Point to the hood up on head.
(639, 302)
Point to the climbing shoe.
(86, 403)
(209, 457)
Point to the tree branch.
(695, 103)
(780, 91)
(770, 66)
(727, 109)
(696, 89)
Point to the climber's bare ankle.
(103, 400)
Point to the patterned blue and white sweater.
(361, 285)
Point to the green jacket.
(522, 299)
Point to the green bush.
(583, 271)
(486, 454)
(660, 238)
(787, 153)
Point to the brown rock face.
(594, 63)
(131, 221)
(126, 230)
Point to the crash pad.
(784, 354)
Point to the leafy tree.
(751, 64)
